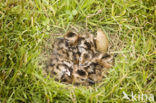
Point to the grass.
(25, 26)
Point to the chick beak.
(91, 82)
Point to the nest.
(79, 59)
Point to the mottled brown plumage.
(80, 59)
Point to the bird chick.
(104, 59)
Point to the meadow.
(26, 25)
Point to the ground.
(26, 25)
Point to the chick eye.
(81, 72)
(54, 73)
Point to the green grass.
(25, 25)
